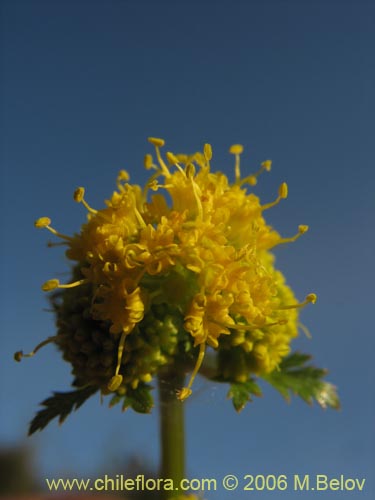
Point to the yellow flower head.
(165, 270)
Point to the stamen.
(185, 392)
(283, 193)
(78, 196)
(158, 143)
(310, 299)
(50, 285)
(19, 354)
(302, 229)
(116, 380)
(253, 178)
(54, 283)
(190, 172)
(236, 150)
(44, 222)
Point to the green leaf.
(241, 393)
(115, 400)
(60, 405)
(306, 381)
(139, 399)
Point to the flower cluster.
(164, 272)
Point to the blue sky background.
(83, 86)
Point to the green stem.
(172, 431)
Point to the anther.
(18, 356)
(78, 195)
(283, 191)
(148, 162)
(123, 176)
(50, 285)
(172, 159)
(311, 297)
(184, 393)
(266, 165)
(236, 149)
(114, 383)
(207, 151)
(190, 171)
(42, 222)
(158, 143)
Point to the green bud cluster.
(88, 345)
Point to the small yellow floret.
(50, 285)
(156, 142)
(236, 149)
(42, 222)
(78, 195)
